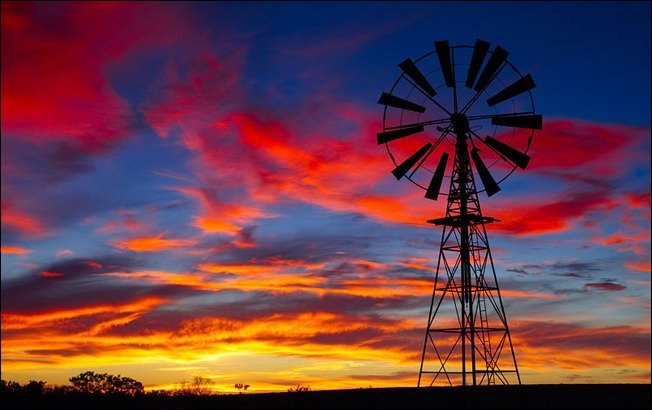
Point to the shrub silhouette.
(241, 387)
(299, 388)
(102, 383)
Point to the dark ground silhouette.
(575, 396)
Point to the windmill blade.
(479, 52)
(517, 157)
(488, 181)
(519, 86)
(437, 177)
(496, 60)
(397, 102)
(444, 56)
(406, 165)
(383, 137)
(413, 72)
(518, 121)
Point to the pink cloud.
(63, 253)
(126, 221)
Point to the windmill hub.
(460, 123)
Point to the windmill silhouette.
(486, 121)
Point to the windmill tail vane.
(471, 104)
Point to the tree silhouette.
(103, 383)
(35, 387)
(299, 389)
(198, 386)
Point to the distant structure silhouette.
(487, 118)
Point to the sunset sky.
(194, 189)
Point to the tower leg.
(467, 329)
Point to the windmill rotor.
(475, 90)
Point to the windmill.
(469, 103)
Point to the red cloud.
(639, 199)
(48, 274)
(567, 144)
(537, 216)
(339, 175)
(270, 157)
(271, 160)
(56, 57)
(58, 102)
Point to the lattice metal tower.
(467, 340)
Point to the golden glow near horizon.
(312, 345)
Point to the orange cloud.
(641, 265)
(218, 217)
(389, 208)
(16, 250)
(270, 266)
(152, 244)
